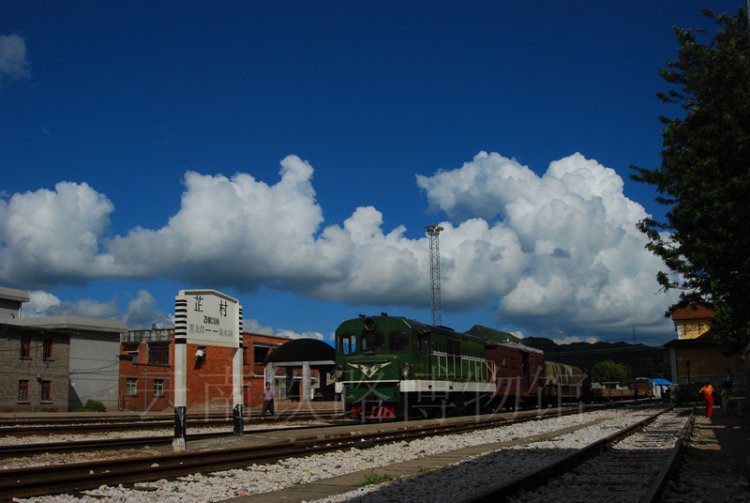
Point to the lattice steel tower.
(433, 231)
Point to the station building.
(55, 363)
(694, 358)
(147, 371)
(58, 363)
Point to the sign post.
(238, 411)
(208, 318)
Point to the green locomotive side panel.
(457, 358)
(374, 354)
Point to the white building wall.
(94, 369)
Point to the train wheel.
(355, 412)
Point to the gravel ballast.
(294, 471)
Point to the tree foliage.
(704, 176)
(610, 371)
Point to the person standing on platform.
(268, 395)
(708, 396)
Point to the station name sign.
(208, 317)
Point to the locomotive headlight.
(405, 370)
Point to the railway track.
(73, 477)
(35, 426)
(630, 465)
(101, 444)
(28, 449)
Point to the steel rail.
(98, 417)
(657, 486)
(544, 474)
(53, 479)
(30, 449)
(113, 423)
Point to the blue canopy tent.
(661, 387)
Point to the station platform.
(716, 463)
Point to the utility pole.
(433, 231)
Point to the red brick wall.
(209, 381)
(254, 380)
(145, 375)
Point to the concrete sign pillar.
(238, 412)
(207, 318)
(306, 382)
(180, 377)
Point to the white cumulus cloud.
(141, 312)
(42, 303)
(234, 231)
(13, 62)
(584, 262)
(50, 237)
(253, 326)
(559, 250)
(39, 302)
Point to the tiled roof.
(693, 312)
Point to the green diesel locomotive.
(389, 367)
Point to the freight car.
(565, 384)
(610, 391)
(389, 367)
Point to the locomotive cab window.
(372, 342)
(398, 342)
(346, 343)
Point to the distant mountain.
(492, 334)
(643, 361)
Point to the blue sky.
(291, 154)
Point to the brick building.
(147, 371)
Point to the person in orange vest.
(708, 396)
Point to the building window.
(23, 390)
(158, 353)
(158, 387)
(25, 347)
(47, 349)
(46, 391)
(131, 350)
(260, 353)
(131, 386)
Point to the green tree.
(610, 371)
(704, 176)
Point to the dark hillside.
(492, 334)
(643, 361)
